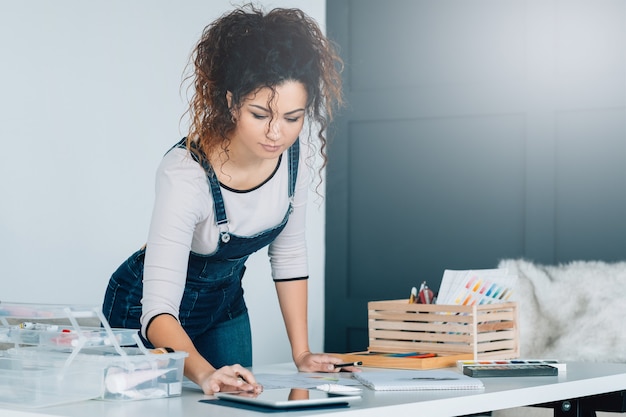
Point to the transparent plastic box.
(41, 383)
(138, 375)
(55, 359)
(59, 336)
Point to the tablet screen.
(288, 397)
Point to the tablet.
(289, 398)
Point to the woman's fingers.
(231, 378)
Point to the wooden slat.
(431, 337)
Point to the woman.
(236, 184)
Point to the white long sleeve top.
(183, 220)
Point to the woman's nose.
(273, 131)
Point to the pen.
(343, 365)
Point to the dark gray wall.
(475, 130)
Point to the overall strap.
(218, 201)
(294, 159)
(180, 144)
(218, 206)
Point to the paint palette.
(480, 371)
(512, 367)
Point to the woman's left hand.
(321, 362)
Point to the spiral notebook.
(409, 380)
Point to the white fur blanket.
(571, 312)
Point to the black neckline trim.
(280, 158)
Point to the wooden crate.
(452, 332)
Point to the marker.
(425, 294)
(343, 365)
(27, 325)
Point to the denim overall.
(212, 310)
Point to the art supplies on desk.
(408, 380)
(471, 317)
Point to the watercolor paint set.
(512, 367)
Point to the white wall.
(89, 102)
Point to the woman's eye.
(293, 119)
(259, 116)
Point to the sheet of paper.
(304, 380)
(294, 380)
(472, 287)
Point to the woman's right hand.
(230, 378)
(165, 330)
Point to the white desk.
(581, 380)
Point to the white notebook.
(409, 380)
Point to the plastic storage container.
(41, 382)
(54, 359)
(136, 375)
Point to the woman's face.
(265, 129)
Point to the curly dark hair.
(247, 49)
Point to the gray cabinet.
(474, 131)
